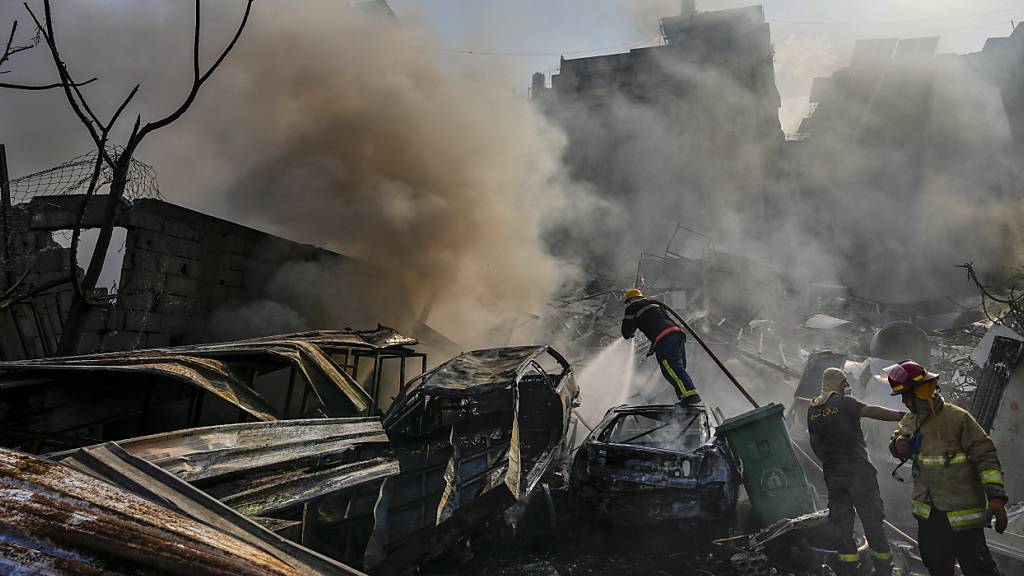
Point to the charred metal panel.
(236, 449)
(66, 402)
(59, 520)
(999, 367)
(268, 468)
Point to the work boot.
(882, 569)
(694, 400)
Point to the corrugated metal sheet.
(265, 468)
(136, 520)
(231, 449)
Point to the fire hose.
(713, 356)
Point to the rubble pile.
(473, 468)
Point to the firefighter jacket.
(648, 316)
(956, 467)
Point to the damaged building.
(702, 107)
(919, 140)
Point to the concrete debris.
(751, 564)
(824, 322)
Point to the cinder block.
(239, 262)
(97, 320)
(50, 260)
(182, 247)
(236, 245)
(144, 220)
(231, 278)
(220, 294)
(122, 340)
(141, 301)
(147, 240)
(175, 325)
(174, 305)
(180, 286)
(90, 342)
(157, 340)
(181, 229)
(180, 266)
(142, 259)
(137, 280)
(137, 321)
(115, 319)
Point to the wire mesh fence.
(73, 176)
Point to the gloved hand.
(998, 509)
(901, 446)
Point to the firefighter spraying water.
(667, 342)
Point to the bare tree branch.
(14, 86)
(10, 50)
(119, 163)
(1014, 302)
(11, 299)
(62, 71)
(198, 79)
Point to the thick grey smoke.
(887, 196)
(331, 127)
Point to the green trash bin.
(772, 474)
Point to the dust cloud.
(368, 146)
(333, 126)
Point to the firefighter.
(667, 340)
(958, 481)
(833, 421)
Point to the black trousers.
(941, 548)
(858, 491)
(672, 360)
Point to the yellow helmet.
(632, 293)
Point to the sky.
(811, 37)
(247, 113)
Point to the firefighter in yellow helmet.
(667, 340)
(958, 480)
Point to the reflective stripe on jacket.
(958, 466)
(646, 315)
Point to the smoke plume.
(331, 126)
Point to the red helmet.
(906, 375)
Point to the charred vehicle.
(472, 437)
(653, 464)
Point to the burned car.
(653, 464)
(473, 437)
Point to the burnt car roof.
(627, 409)
(205, 366)
(479, 371)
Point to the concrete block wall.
(179, 266)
